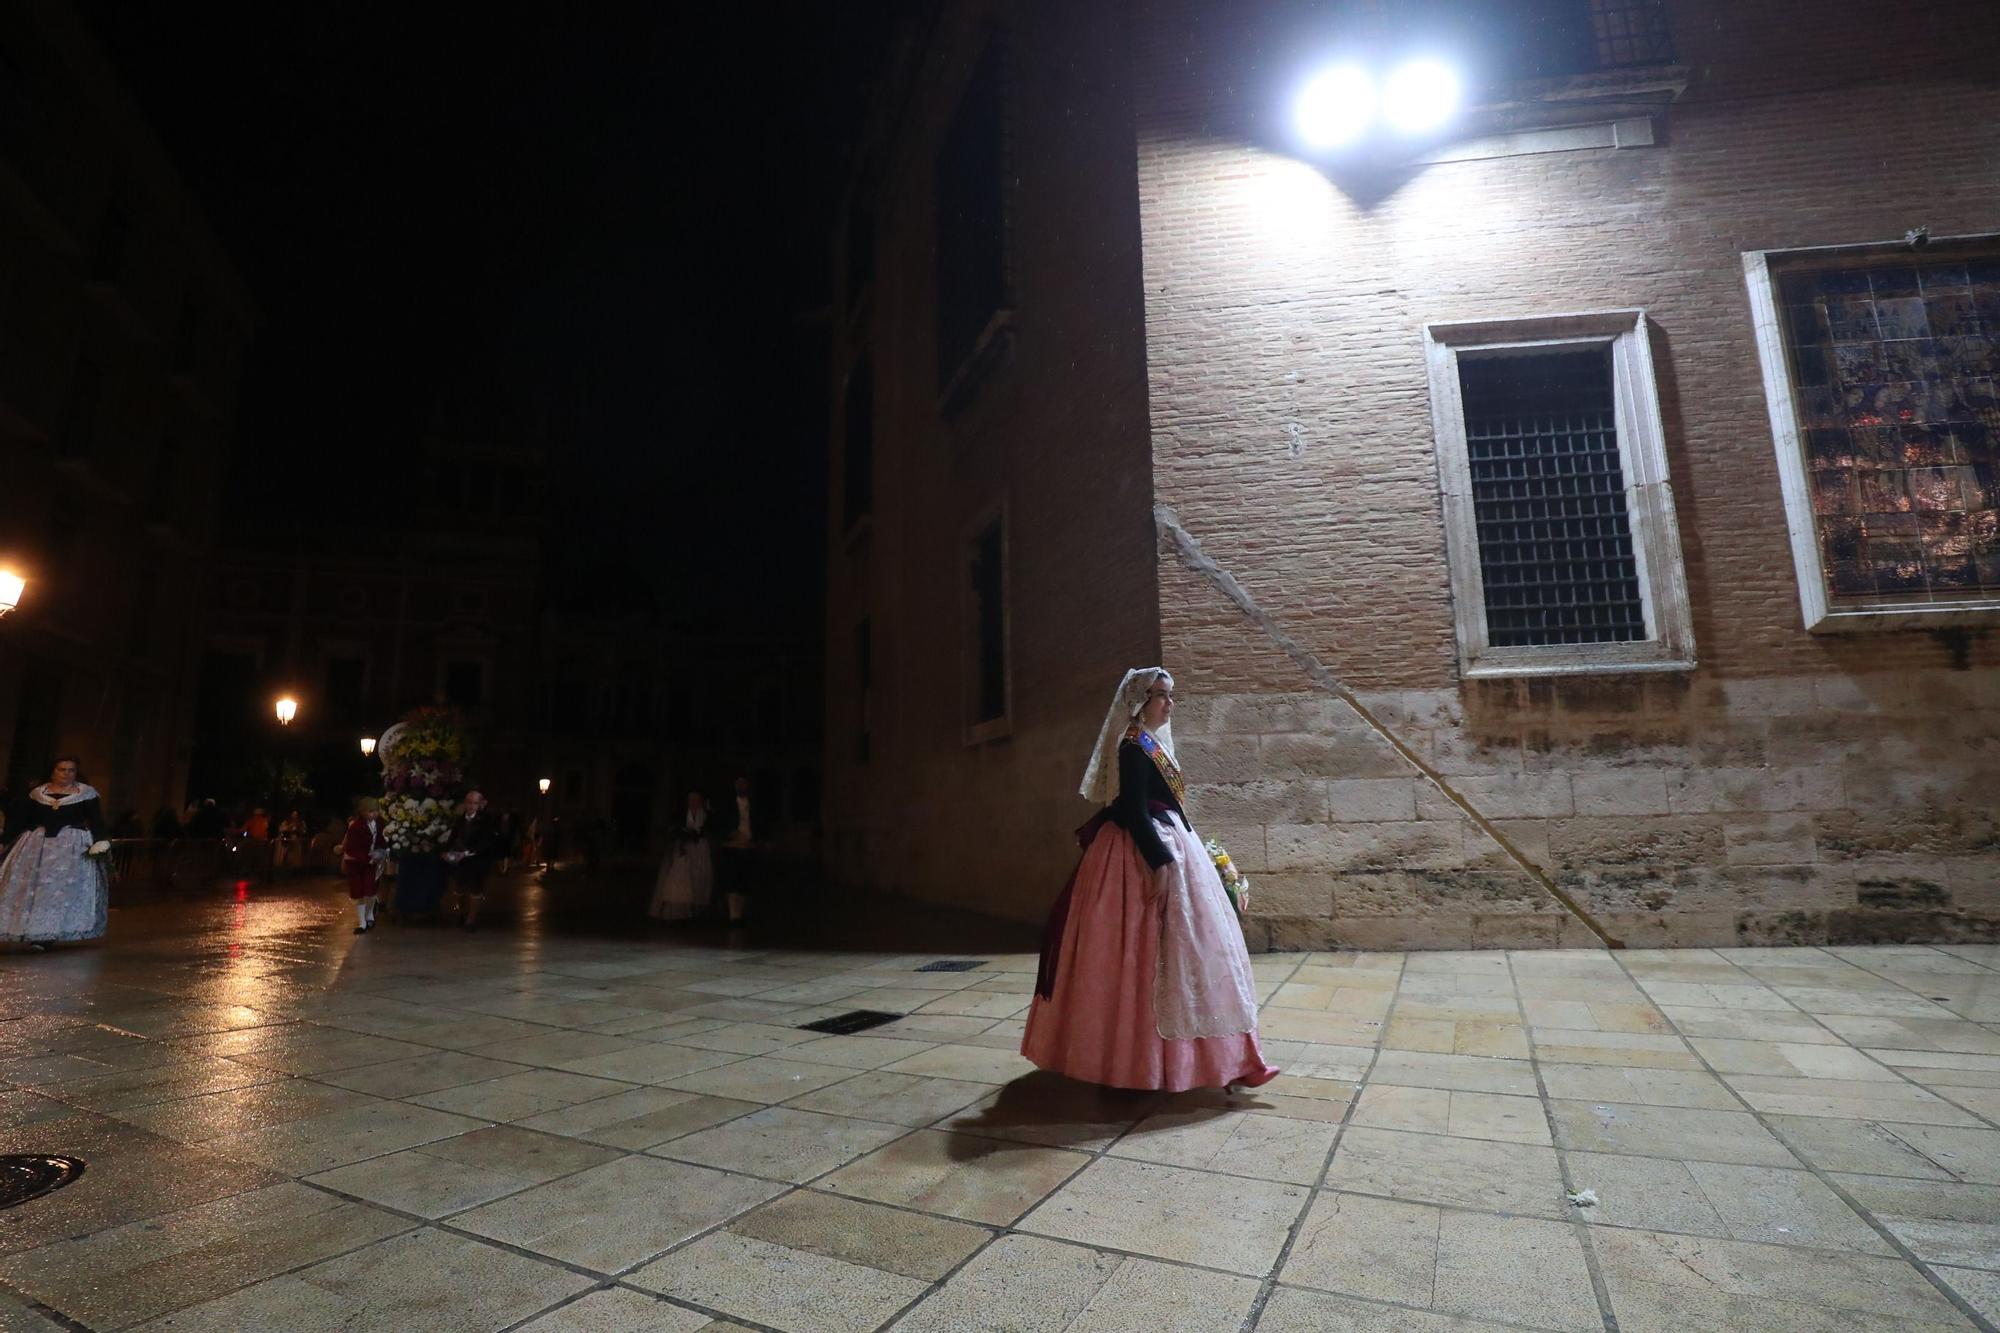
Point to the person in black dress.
(55, 882)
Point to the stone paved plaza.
(291, 1128)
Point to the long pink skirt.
(1100, 1026)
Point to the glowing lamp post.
(286, 708)
(367, 746)
(542, 785)
(12, 585)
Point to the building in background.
(122, 330)
(642, 704)
(432, 594)
(566, 667)
(1629, 446)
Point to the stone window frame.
(1822, 614)
(1649, 498)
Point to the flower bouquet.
(423, 778)
(417, 825)
(1234, 883)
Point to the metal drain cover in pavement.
(953, 965)
(841, 1025)
(25, 1176)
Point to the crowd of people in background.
(710, 872)
(712, 863)
(480, 842)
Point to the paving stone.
(619, 1310)
(1222, 1222)
(773, 1284)
(394, 1283)
(782, 1144)
(1465, 1173)
(1026, 1282)
(1234, 1143)
(140, 1270)
(1442, 1208)
(1941, 1222)
(958, 1175)
(1661, 1281)
(613, 1217)
(1667, 1131)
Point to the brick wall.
(1057, 434)
(1794, 787)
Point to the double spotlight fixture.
(1343, 106)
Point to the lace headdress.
(1100, 780)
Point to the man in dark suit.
(472, 849)
(736, 834)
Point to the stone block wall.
(1755, 811)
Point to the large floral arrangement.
(424, 754)
(423, 778)
(417, 825)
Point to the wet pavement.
(564, 1123)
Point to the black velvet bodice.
(51, 820)
(1141, 788)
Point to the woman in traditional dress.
(55, 883)
(363, 849)
(1145, 981)
(687, 880)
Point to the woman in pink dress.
(1145, 981)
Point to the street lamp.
(12, 585)
(542, 785)
(367, 746)
(287, 708)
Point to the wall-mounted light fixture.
(1339, 107)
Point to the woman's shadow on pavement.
(1049, 1111)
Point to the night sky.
(612, 217)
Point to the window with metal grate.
(1555, 542)
(1558, 511)
(1519, 39)
(1631, 32)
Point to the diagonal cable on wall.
(1205, 566)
